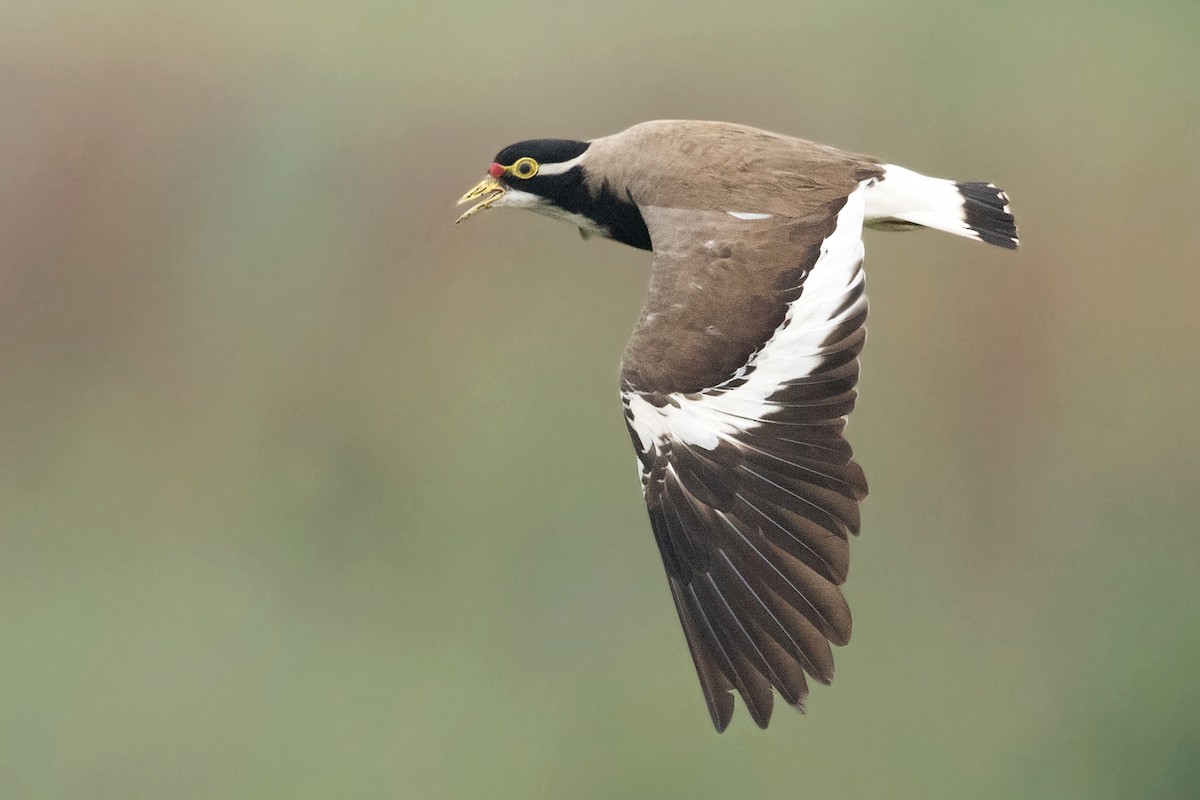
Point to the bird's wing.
(736, 384)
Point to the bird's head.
(544, 175)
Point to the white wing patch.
(748, 215)
(793, 351)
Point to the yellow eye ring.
(524, 168)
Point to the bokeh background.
(307, 493)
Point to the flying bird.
(740, 373)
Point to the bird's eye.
(525, 168)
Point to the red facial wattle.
(496, 170)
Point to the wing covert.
(736, 385)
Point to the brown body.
(741, 371)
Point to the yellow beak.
(489, 189)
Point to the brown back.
(720, 285)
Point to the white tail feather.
(902, 194)
(901, 199)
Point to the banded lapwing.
(740, 374)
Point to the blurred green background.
(307, 493)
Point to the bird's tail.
(902, 199)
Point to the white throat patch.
(515, 198)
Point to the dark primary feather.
(755, 547)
